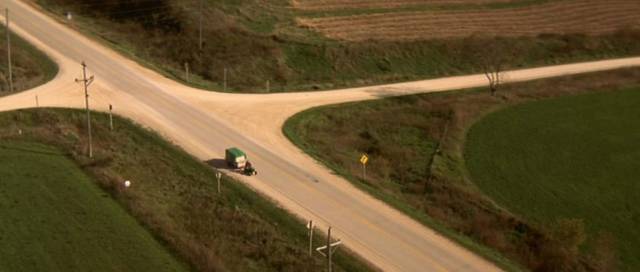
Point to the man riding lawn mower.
(237, 160)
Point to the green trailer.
(237, 159)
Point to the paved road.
(205, 123)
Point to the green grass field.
(570, 157)
(55, 218)
(174, 195)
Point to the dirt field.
(572, 16)
(342, 4)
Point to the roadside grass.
(31, 67)
(570, 157)
(401, 135)
(174, 195)
(328, 135)
(55, 218)
(261, 41)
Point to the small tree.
(561, 250)
(492, 67)
(491, 56)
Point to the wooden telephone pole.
(9, 51)
(200, 29)
(86, 82)
(330, 248)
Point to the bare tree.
(492, 67)
(491, 55)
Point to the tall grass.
(30, 66)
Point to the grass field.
(260, 41)
(401, 136)
(31, 67)
(55, 218)
(174, 196)
(572, 157)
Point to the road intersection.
(205, 123)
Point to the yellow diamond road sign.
(364, 159)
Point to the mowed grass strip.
(55, 218)
(570, 157)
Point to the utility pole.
(200, 40)
(86, 82)
(268, 87)
(330, 248)
(110, 117)
(9, 51)
(37, 103)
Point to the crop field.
(55, 218)
(350, 4)
(558, 17)
(571, 157)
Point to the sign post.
(110, 117)
(363, 160)
(310, 228)
(218, 176)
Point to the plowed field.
(572, 16)
(349, 4)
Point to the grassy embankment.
(572, 157)
(401, 136)
(174, 195)
(55, 218)
(31, 67)
(260, 41)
